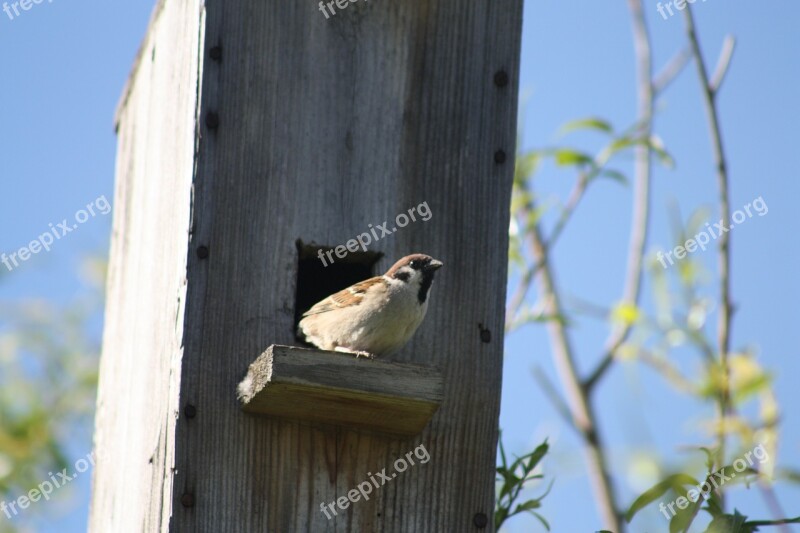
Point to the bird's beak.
(434, 265)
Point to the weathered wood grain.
(142, 342)
(324, 127)
(340, 389)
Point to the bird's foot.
(357, 353)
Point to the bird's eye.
(413, 264)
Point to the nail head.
(500, 157)
(501, 78)
(212, 120)
(480, 520)
(187, 500)
(202, 252)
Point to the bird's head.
(417, 270)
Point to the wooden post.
(248, 127)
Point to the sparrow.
(376, 316)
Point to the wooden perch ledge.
(336, 388)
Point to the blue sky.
(577, 61)
(65, 64)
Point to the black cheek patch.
(402, 276)
(427, 281)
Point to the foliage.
(678, 321)
(662, 335)
(512, 479)
(682, 485)
(48, 375)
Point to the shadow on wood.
(335, 388)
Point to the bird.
(374, 317)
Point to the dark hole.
(316, 281)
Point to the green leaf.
(620, 144)
(541, 519)
(515, 258)
(509, 482)
(657, 145)
(521, 198)
(615, 175)
(514, 477)
(537, 455)
(751, 387)
(675, 481)
(591, 123)
(684, 518)
(741, 476)
(567, 156)
(713, 507)
(710, 457)
(502, 450)
(727, 523)
(500, 516)
(526, 166)
(527, 506)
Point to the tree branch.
(641, 204)
(582, 414)
(668, 370)
(524, 285)
(709, 92)
(728, 45)
(555, 398)
(671, 70)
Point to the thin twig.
(518, 298)
(641, 205)
(668, 74)
(725, 312)
(587, 308)
(674, 67)
(669, 371)
(768, 493)
(582, 413)
(728, 45)
(552, 394)
(575, 196)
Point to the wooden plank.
(142, 341)
(339, 389)
(325, 126)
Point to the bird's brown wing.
(346, 297)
